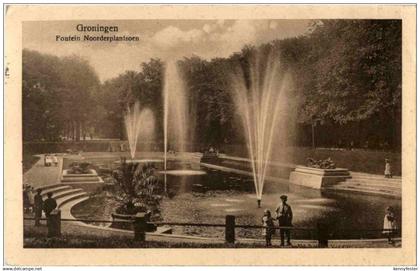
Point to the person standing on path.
(25, 196)
(49, 204)
(55, 160)
(390, 224)
(31, 198)
(267, 222)
(38, 204)
(388, 172)
(285, 217)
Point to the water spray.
(262, 107)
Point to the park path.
(40, 175)
(281, 164)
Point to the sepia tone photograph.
(263, 133)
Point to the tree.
(40, 105)
(57, 96)
(351, 73)
(79, 81)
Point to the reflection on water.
(210, 197)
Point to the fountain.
(175, 110)
(132, 126)
(176, 130)
(260, 97)
(147, 129)
(140, 126)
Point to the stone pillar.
(230, 229)
(54, 223)
(140, 226)
(322, 233)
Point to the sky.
(164, 39)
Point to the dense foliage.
(347, 77)
(138, 188)
(57, 97)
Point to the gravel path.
(40, 175)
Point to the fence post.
(54, 223)
(140, 225)
(322, 233)
(230, 229)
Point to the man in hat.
(38, 202)
(26, 203)
(285, 217)
(49, 204)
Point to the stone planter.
(317, 177)
(90, 182)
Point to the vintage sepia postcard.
(210, 134)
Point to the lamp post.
(314, 122)
(313, 135)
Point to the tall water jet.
(259, 93)
(132, 126)
(175, 110)
(147, 130)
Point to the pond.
(209, 197)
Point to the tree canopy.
(346, 73)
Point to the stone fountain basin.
(182, 172)
(91, 173)
(317, 177)
(141, 161)
(92, 176)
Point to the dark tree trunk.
(78, 130)
(73, 130)
(122, 129)
(83, 130)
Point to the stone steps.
(64, 193)
(66, 207)
(66, 199)
(81, 179)
(366, 190)
(55, 189)
(363, 183)
(377, 180)
(44, 187)
(366, 176)
(370, 184)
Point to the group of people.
(50, 160)
(34, 203)
(284, 215)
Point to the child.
(388, 173)
(55, 160)
(31, 198)
(267, 222)
(390, 224)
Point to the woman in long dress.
(267, 222)
(390, 224)
(388, 172)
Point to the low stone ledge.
(318, 178)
